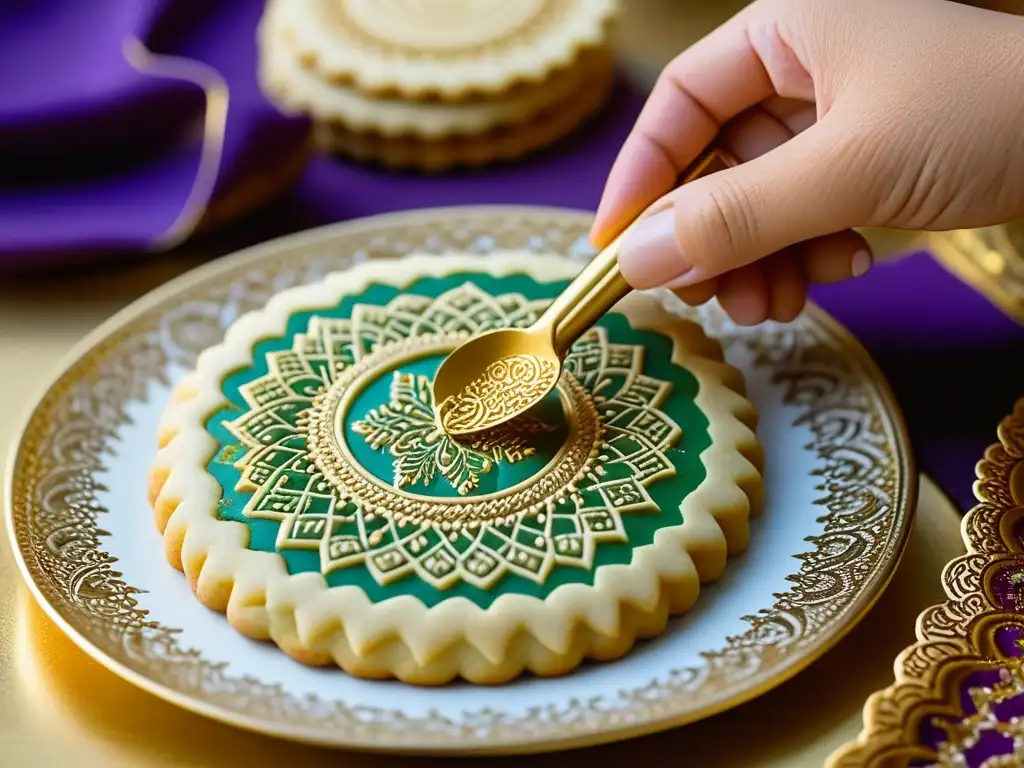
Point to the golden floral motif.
(406, 427)
(55, 513)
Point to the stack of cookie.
(438, 83)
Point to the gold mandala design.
(55, 514)
(302, 473)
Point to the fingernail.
(649, 255)
(861, 263)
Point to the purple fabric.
(119, 177)
(98, 157)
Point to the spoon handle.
(603, 289)
(580, 288)
(600, 285)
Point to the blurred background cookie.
(504, 143)
(469, 83)
(450, 49)
(301, 90)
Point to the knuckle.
(727, 221)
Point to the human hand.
(906, 114)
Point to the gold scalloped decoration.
(472, 81)
(958, 697)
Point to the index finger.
(700, 90)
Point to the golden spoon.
(499, 375)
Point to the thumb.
(806, 187)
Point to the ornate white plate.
(840, 491)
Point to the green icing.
(639, 526)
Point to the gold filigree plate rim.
(440, 735)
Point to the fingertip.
(598, 235)
(786, 286)
(611, 218)
(861, 262)
(638, 183)
(789, 312)
(744, 310)
(743, 294)
(604, 230)
(835, 257)
(701, 293)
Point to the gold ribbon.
(215, 120)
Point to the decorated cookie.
(305, 487)
(299, 89)
(451, 49)
(509, 142)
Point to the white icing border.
(401, 637)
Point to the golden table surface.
(58, 707)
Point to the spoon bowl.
(501, 374)
(495, 377)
